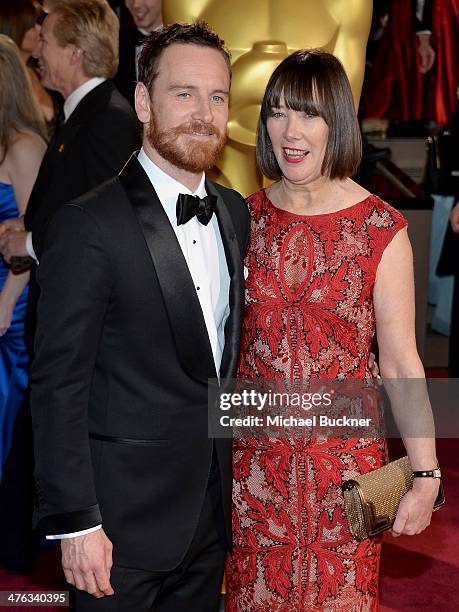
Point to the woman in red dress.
(329, 264)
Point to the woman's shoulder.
(25, 138)
(259, 205)
(25, 152)
(388, 213)
(26, 144)
(363, 201)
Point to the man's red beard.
(186, 153)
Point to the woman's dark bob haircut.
(314, 82)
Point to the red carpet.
(422, 572)
(419, 573)
(47, 576)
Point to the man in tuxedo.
(141, 304)
(147, 17)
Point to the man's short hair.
(198, 33)
(93, 27)
(315, 82)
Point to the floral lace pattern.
(309, 314)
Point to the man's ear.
(142, 103)
(76, 57)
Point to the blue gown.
(13, 353)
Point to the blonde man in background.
(77, 56)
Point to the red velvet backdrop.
(396, 89)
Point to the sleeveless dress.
(13, 354)
(309, 314)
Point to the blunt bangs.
(296, 92)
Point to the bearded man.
(141, 303)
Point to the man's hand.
(87, 561)
(426, 53)
(16, 224)
(13, 244)
(454, 218)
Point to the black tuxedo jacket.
(424, 22)
(448, 263)
(119, 383)
(126, 79)
(92, 146)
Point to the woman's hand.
(415, 510)
(15, 224)
(454, 218)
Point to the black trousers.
(193, 586)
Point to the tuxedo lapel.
(177, 288)
(234, 261)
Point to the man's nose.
(37, 50)
(203, 110)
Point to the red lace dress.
(309, 313)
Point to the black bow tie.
(140, 38)
(188, 206)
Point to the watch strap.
(436, 473)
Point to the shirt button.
(198, 288)
(194, 241)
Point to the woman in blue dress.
(22, 146)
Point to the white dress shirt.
(70, 105)
(79, 93)
(203, 250)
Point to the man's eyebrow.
(181, 86)
(173, 86)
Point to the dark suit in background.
(422, 12)
(449, 265)
(449, 259)
(126, 78)
(90, 147)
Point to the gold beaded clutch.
(371, 501)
